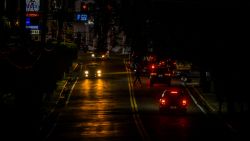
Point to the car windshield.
(174, 91)
(163, 70)
(92, 65)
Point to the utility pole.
(44, 13)
(102, 24)
(23, 14)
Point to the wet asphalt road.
(111, 108)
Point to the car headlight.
(99, 71)
(86, 72)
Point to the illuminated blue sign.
(84, 17)
(81, 17)
(27, 21)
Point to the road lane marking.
(51, 130)
(203, 99)
(137, 119)
(114, 73)
(195, 101)
(71, 90)
(225, 122)
(60, 94)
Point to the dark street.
(69, 70)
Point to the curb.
(204, 101)
(58, 94)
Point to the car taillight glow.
(184, 102)
(173, 92)
(162, 101)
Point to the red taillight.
(163, 101)
(162, 63)
(153, 66)
(184, 102)
(173, 92)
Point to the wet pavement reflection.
(98, 109)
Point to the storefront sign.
(32, 5)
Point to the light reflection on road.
(96, 106)
(181, 122)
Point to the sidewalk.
(237, 122)
(53, 100)
(211, 101)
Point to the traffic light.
(84, 7)
(91, 7)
